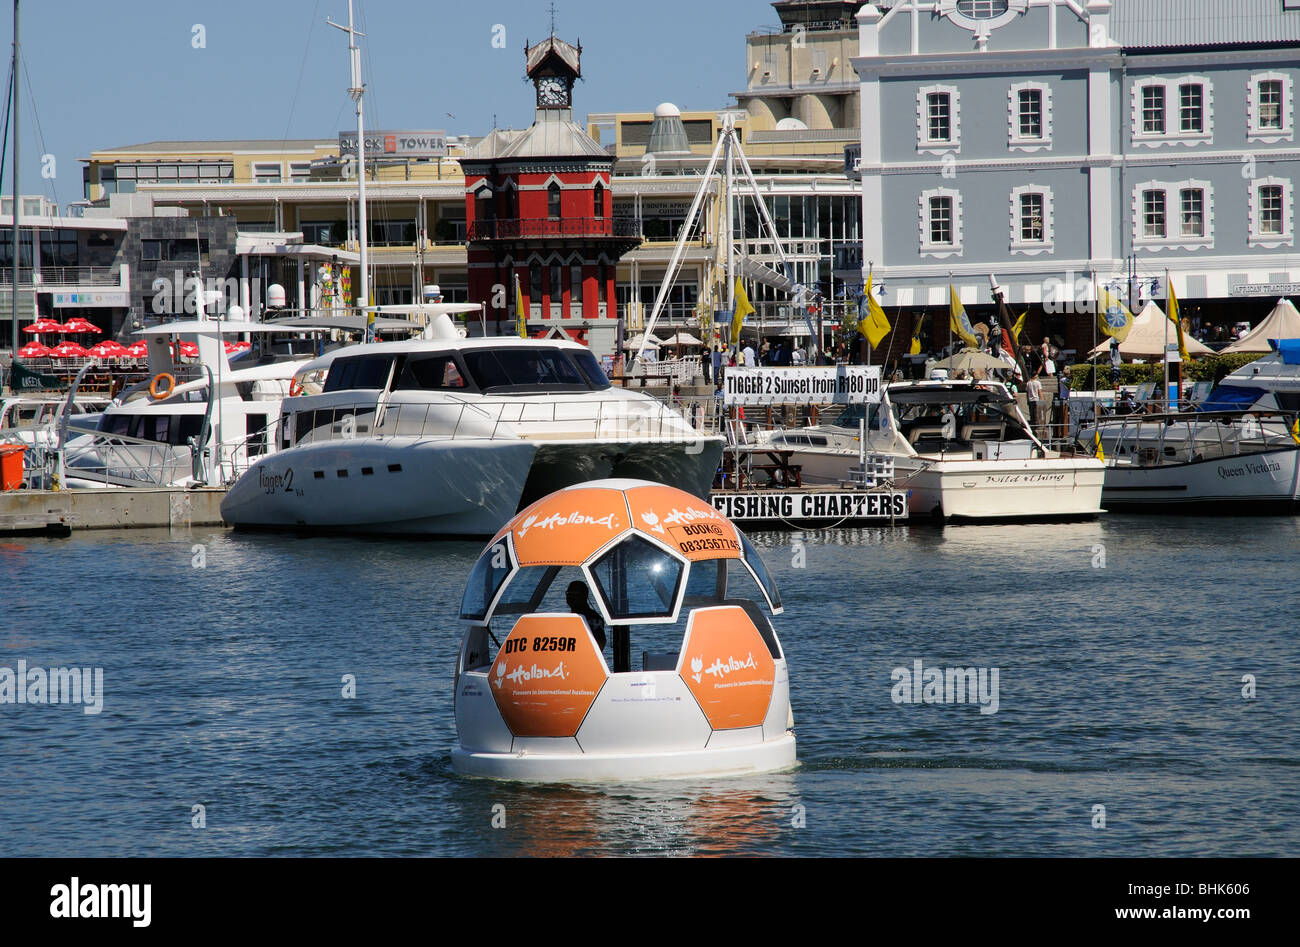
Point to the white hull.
(447, 486)
(1266, 481)
(462, 487)
(768, 756)
(1038, 488)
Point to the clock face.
(552, 90)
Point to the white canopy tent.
(682, 338)
(1282, 323)
(1149, 335)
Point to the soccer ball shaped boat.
(711, 693)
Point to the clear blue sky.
(117, 72)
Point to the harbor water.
(1143, 702)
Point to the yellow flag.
(521, 311)
(1101, 454)
(873, 323)
(1178, 324)
(1113, 317)
(916, 336)
(1020, 325)
(957, 318)
(743, 308)
(1295, 430)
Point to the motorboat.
(171, 430)
(450, 436)
(1238, 452)
(961, 448)
(537, 700)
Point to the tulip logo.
(697, 668)
(652, 520)
(526, 525)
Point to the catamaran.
(450, 436)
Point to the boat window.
(359, 371)
(759, 570)
(531, 368)
(591, 369)
(430, 372)
(707, 581)
(526, 588)
(114, 423)
(485, 581)
(637, 579)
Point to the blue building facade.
(1058, 143)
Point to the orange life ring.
(295, 387)
(153, 385)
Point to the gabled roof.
(569, 57)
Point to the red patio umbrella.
(67, 349)
(43, 326)
(34, 349)
(109, 348)
(138, 349)
(188, 349)
(82, 325)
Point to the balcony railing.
(554, 227)
(64, 276)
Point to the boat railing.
(612, 419)
(1150, 440)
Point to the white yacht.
(149, 435)
(961, 449)
(450, 436)
(1239, 452)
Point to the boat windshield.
(534, 369)
(163, 428)
(854, 413)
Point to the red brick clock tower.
(538, 205)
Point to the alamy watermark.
(37, 685)
(933, 685)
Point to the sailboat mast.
(17, 202)
(357, 91)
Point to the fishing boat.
(537, 699)
(961, 448)
(450, 436)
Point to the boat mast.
(17, 207)
(357, 91)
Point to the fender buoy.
(153, 385)
(295, 387)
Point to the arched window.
(598, 199)
(981, 9)
(553, 200)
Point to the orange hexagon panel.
(568, 527)
(727, 667)
(686, 523)
(546, 675)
